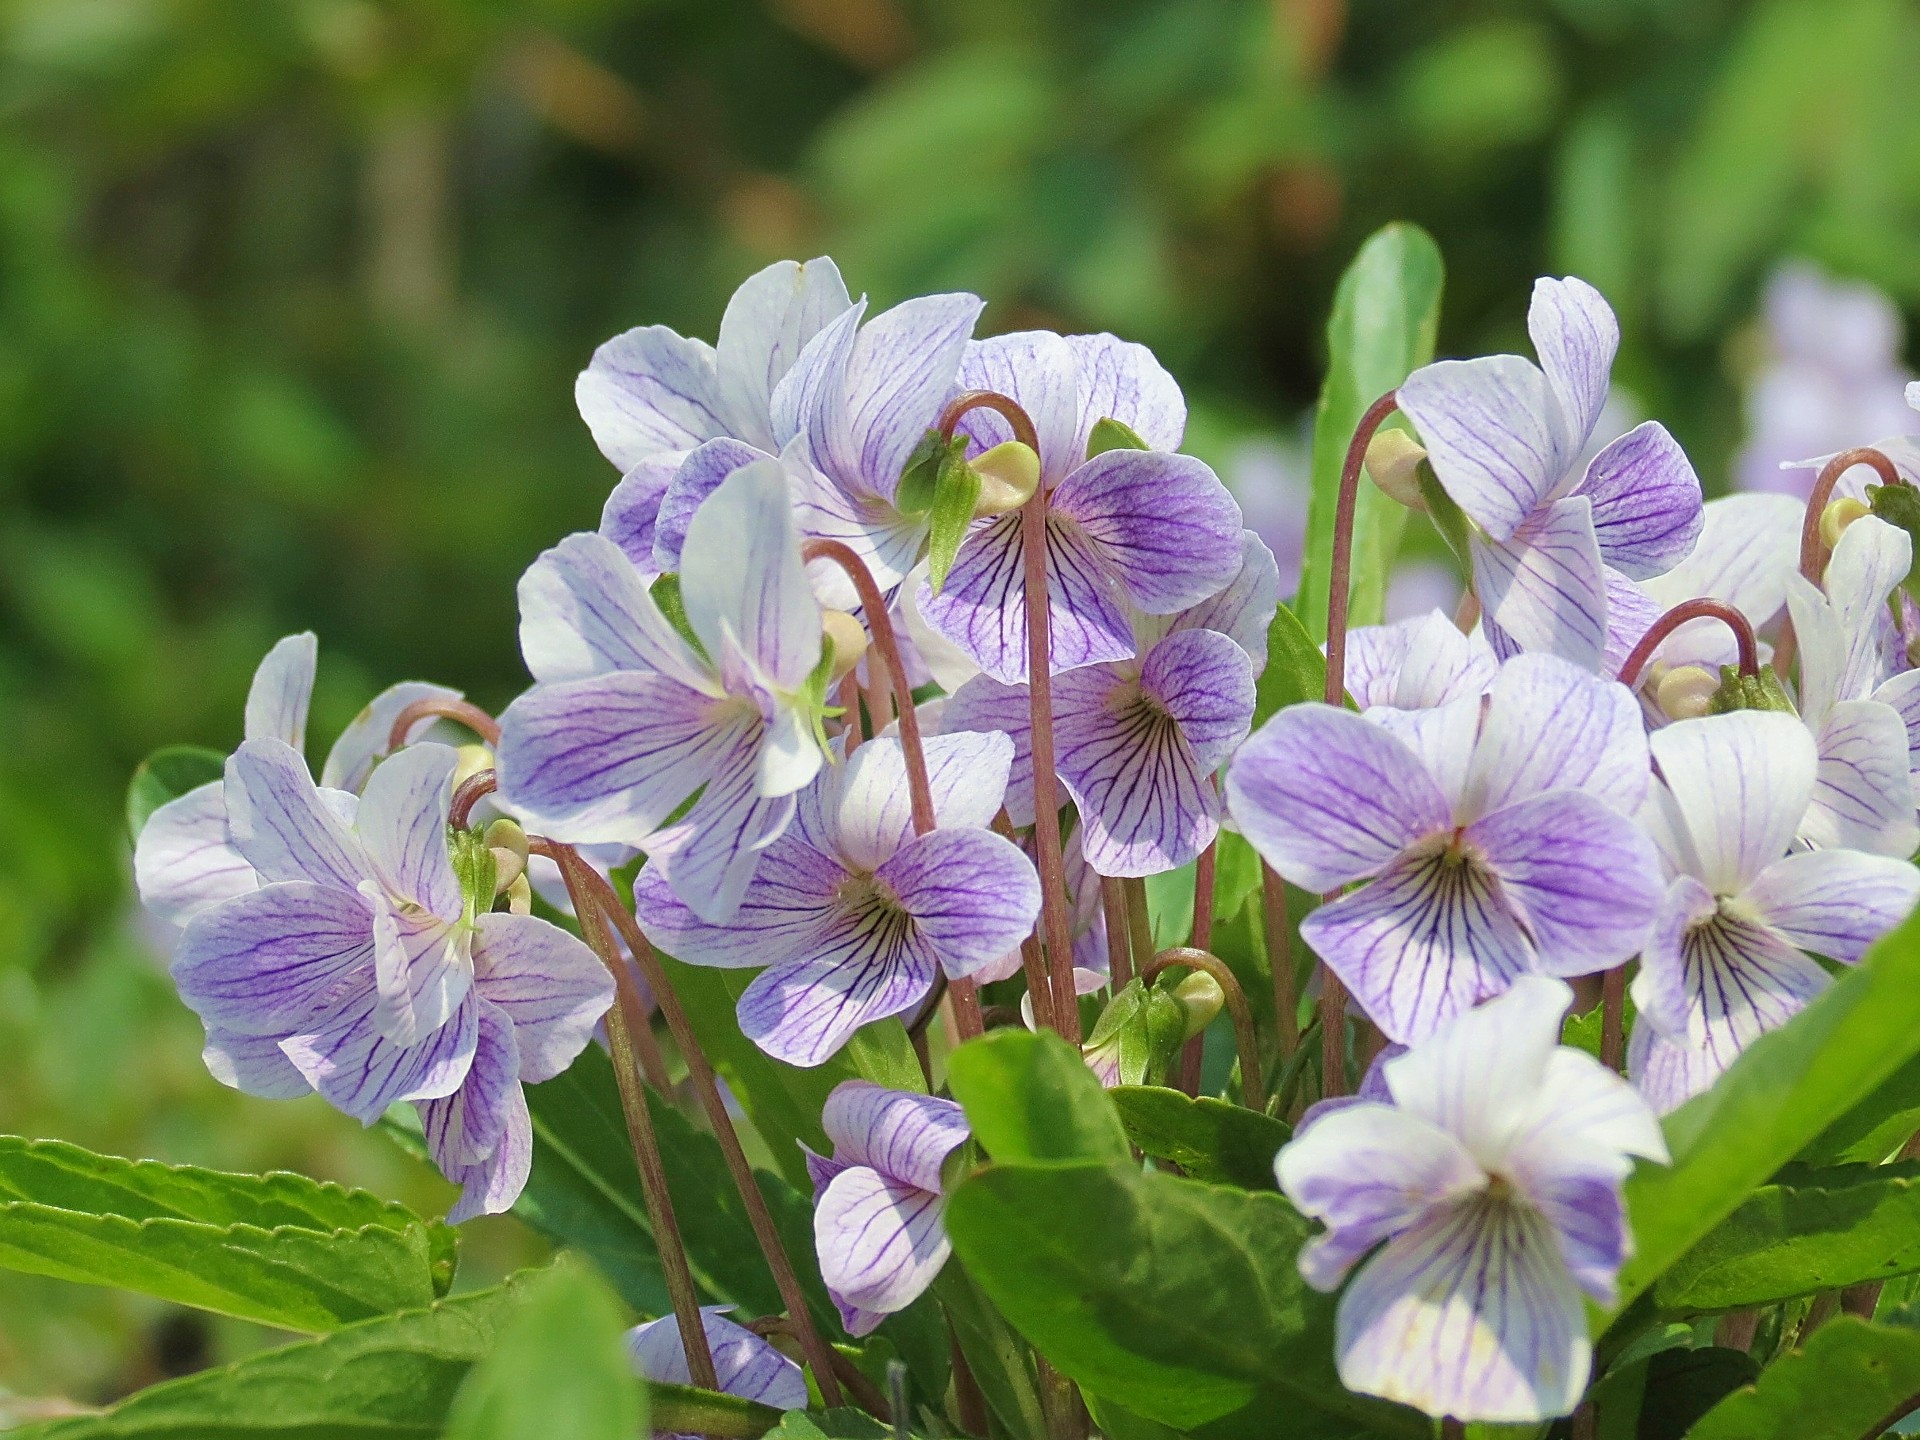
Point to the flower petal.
(1162, 524)
(870, 814)
(402, 822)
(552, 987)
(282, 824)
(282, 687)
(767, 324)
(696, 477)
(254, 1064)
(899, 375)
(984, 705)
(1549, 726)
(862, 968)
(709, 855)
(1545, 587)
(743, 1363)
(585, 610)
(1646, 501)
(1670, 1072)
(888, 543)
(1416, 664)
(467, 1125)
(423, 968)
(779, 918)
(1748, 546)
(1328, 798)
(631, 517)
(359, 1071)
(741, 576)
(646, 391)
(276, 959)
(1863, 789)
(972, 895)
(1576, 336)
(1244, 610)
(489, 1186)
(1036, 369)
(1494, 433)
(184, 862)
(880, 1242)
(364, 742)
(1835, 902)
(905, 1136)
(1120, 380)
(1741, 783)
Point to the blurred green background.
(292, 293)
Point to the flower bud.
(507, 842)
(1838, 515)
(520, 895)
(1393, 460)
(1686, 692)
(849, 638)
(1201, 998)
(1762, 691)
(1009, 474)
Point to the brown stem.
(1279, 936)
(850, 726)
(1005, 406)
(469, 793)
(1201, 936)
(622, 1020)
(865, 1393)
(1613, 1019)
(1451, 1429)
(817, 1350)
(1032, 962)
(1340, 572)
(1113, 906)
(1333, 1031)
(441, 708)
(1736, 1329)
(1686, 610)
(968, 1398)
(1862, 1299)
(1585, 1424)
(879, 698)
(1252, 1090)
(1813, 551)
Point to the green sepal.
(1144, 1028)
(1448, 518)
(1897, 505)
(920, 481)
(813, 694)
(956, 492)
(1110, 434)
(666, 594)
(476, 869)
(1762, 691)
(166, 775)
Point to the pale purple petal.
(1244, 610)
(1576, 336)
(1120, 380)
(865, 966)
(743, 1363)
(1545, 588)
(402, 822)
(551, 986)
(282, 687)
(254, 1064)
(585, 610)
(631, 517)
(1037, 370)
(780, 917)
(423, 967)
(1669, 1072)
(464, 1127)
(1741, 782)
(1835, 902)
(490, 1185)
(709, 854)
(1163, 525)
(984, 705)
(1748, 546)
(1416, 664)
(282, 824)
(880, 1242)
(276, 959)
(810, 400)
(1863, 790)
(767, 324)
(1550, 726)
(1902, 693)
(362, 744)
(358, 1070)
(1443, 737)
(903, 1135)
(1585, 879)
(1631, 612)
(1646, 501)
(898, 377)
(742, 577)
(646, 391)
(1493, 430)
(1205, 687)
(888, 543)
(972, 895)
(1368, 1171)
(1584, 1116)
(183, 862)
(697, 476)
(867, 805)
(1328, 798)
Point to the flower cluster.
(1664, 740)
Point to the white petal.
(282, 687)
(1741, 782)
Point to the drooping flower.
(184, 860)
(852, 913)
(627, 719)
(1128, 529)
(1137, 740)
(1553, 538)
(1495, 840)
(651, 396)
(1727, 958)
(879, 1201)
(364, 968)
(1417, 664)
(1493, 1176)
(743, 1363)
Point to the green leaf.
(843, 1424)
(387, 1379)
(1876, 1127)
(1296, 670)
(666, 594)
(167, 775)
(1110, 434)
(681, 1409)
(1810, 1230)
(1782, 1092)
(1001, 1364)
(560, 1367)
(1207, 1138)
(1663, 1393)
(1848, 1382)
(279, 1249)
(1178, 1301)
(956, 491)
(1385, 312)
(921, 475)
(1031, 1097)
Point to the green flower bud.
(476, 869)
(1136, 1036)
(1201, 999)
(1393, 460)
(1009, 474)
(1749, 692)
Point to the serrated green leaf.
(1385, 313)
(1110, 434)
(956, 492)
(279, 1249)
(1180, 1302)
(1848, 1382)
(166, 775)
(1206, 1137)
(559, 1367)
(1296, 668)
(1031, 1097)
(387, 1379)
(1810, 1230)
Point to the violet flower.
(651, 396)
(1493, 834)
(852, 913)
(878, 1202)
(744, 1364)
(1128, 530)
(1416, 664)
(627, 719)
(361, 968)
(1553, 539)
(1138, 740)
(1493, 1175)
(1749, 546)
(1727, 957)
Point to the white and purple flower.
(1493, 837)
(744, 1364)
(879, 1201)
(1416, 664)
(1493, 1175)
(853, 914)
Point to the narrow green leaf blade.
(1031, 1097)
(1385, 313)
(1206, 1137)
(1848, 1382)
(1296, 669)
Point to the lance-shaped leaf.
(1876, 1127)
(1385, 312)
(279, 1249)
(1296, 670)
(1206, 1137)
(1850, 1381)
(1810, 1230)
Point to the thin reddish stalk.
(469, 793)
(437, 708)
(1032, 963)
(1613, 1019)
(1279, 936)
(850, 726)
(879, 696)
(1813, 551)
(1203, 886)
(1246, 1041)
(1113, 906)
(1681, 614)
(865, 1393)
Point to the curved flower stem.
(623, 1020)
(884, 666)
(602, 896)
(1032, 963)
(1054, 919)
(1252, 1090)
(1686, 610)
(1451, 1429)
(469, 793)
(1279, 937)
(1113, 906)
(1813, 556)
(439, 708)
